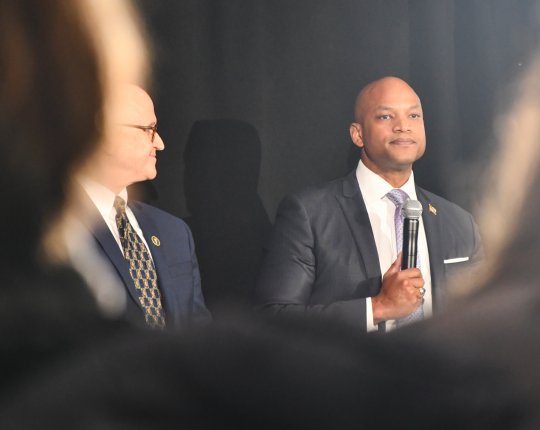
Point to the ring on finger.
(422, 291)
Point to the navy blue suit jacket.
(174, 257)
(322, 257)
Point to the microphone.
(411, 211)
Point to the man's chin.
(406, 162)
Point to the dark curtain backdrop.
(289, 71)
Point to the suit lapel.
(95, 223)
(434, 239)
(355, 212)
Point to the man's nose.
(402, 124)
(158, 142)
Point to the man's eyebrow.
(383, 107)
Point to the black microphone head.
(412, 209)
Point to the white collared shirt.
(381, 216)
(103, 199)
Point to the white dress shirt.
(381, 216)
(103, 199)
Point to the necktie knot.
(121, 219)
(398, 197)
(119, 205)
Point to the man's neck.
(396, 178)
(99, 172)
(114, 186)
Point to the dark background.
(286, 72)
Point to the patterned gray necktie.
(141, 267)
(398, 198)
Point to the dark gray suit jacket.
(322, 257)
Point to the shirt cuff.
(369, 316)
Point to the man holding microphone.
(331, 243)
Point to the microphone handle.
(410, 243)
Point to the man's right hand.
(399, 295)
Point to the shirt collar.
(374, 188)
(101, 196)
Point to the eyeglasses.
(152, 129)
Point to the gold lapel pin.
(155, 240)
(432, 209)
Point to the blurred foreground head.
(59, 61)
(509, 212)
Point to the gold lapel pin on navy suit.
(155, 240)
(432, 209)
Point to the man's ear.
(356, 134)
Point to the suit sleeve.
(289, 272)
(199, 312)
(476, 250)
(478, 254)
